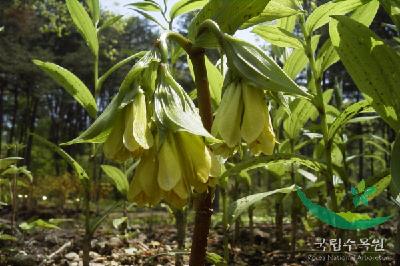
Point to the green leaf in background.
(37, 224)
(6, 162)
(348, 220)
(327, 55)
(298, 59)
(346, 116)
(302, 111)
(147, 6)
(239, 206)
(374, 67)
(119, 221)
(71, 83)
(185, 6)
(392, 7)
(275, 9)
(150, 17)
(278, 36)
(258, 68)
(321, 15)
(215, 259)
(235, 13)
(75, 165)
(262, 161)
(6, 237)
(14, 170)
(94, 8)
(84, 25)
(117, 177)
(110, 22)
(395, 165)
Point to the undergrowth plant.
(257, 118)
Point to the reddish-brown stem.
(203, 202)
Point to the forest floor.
(151, 240)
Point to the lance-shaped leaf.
(327, 55)
(302, 111)
(347, 220)
(258, 68)
(71, 83)
(84, 25)
(321, 15)
(374, 67)
(346, 116)
(117, 177)
(71, 161)
(298, 59)
(275, 9)
(14, 170)
(6, 162)
(150, 17)
(185, 6)
(262, 161)
(175, 109)
(236, 12)
(147, 6)
(278, 36)
(239, 206)
(94, 8)
(111, 21)
(101, 128)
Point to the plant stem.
(320, 105)
(225, 223)
(293, 208)
(180, 221)
(204, 202)
(87, 238)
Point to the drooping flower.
(243, 114)
(131, 133)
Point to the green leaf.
(327, 55)
(147, 6)
(380, 186)
(374, 67)
(150, 17)
(278, 36)
(352, 217)
(6, 162)
(239, 206)
(71, 83)
(215, 259)
(6, 237)
(262, 161)
(119, 221)
(37, 224)
(185, 6)
(94, 8)
(258, 68)
(110, 22)
(101, 128)
(84, 25)
(96, 222)
(302, 111)
(117, 177)
(298, 59)
(275, 9)
(174, 107)
(75, 165)
(321, 15)
(346, 116)
(235, 13)
(395, 165)
(392, 7)
(352, 221)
